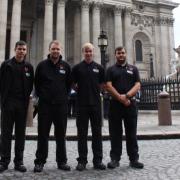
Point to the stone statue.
(178, 51)
(175, 64)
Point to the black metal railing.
(150, 88)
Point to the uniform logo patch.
(27, 74)
(62, 71)
(96, 70)
(129, 71)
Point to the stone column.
(171, 39)
(60, 28)
(3, 23)
(118, 26)
(48, 26)
(157, 44)
(164, 46)
(85, 36)
(15, 25)
(77, 36)
(127, 31)
(96, 31)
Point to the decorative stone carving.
(118, 10)
(97, 4)
(128, 11)
(85, 4)
(61, 2)
(177, 50)
(141, 20)
(49, 2)
(164, 21)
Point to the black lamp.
(103, 44)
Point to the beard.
(121, 61)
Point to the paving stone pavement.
(161, 159)
(147, 126)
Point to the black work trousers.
(48, 114)
(117, 114)
(13, 113)
(84, 114)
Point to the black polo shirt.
(123, 78)
(52, 81)
(17, 89)
(88, 78)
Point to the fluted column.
(60, 29)
(77, 36)
(118, 26)
(127, 31)
(171, 39)
(15, 24)
(3, 24)
(48, 25)
(85, 36)
(96, 31)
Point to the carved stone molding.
(18, 1)
(164, 21)
(118, 10)
(49, 2)
(97, 4)
(142, 20)
(61, 2)
(128, 11)
(85, 4)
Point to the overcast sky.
(177, 24)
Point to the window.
(138, 48)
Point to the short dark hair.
(20, 43)
(55, 42)
(120, 48)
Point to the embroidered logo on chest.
(61, 69)
(26, 69)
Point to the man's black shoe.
(136, 164)
(113, 164)
(20, 168)
(99, 166)
(64, 166)
(38, 167)
(81, 166)
(3, 168)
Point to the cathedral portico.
(143, 27)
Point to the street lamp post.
(103, 44)
(151, 66)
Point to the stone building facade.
(144, 27)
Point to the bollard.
(164, 109)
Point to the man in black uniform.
(123, 82)
(52, 85)
(88, 76)
(16, 83)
